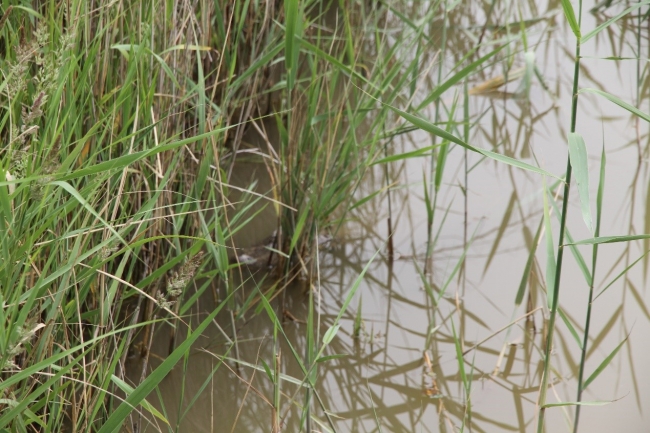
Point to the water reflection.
(401, 372)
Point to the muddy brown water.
(402, 374)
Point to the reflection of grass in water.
(123, 126)
(568, 321)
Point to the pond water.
(402, 372)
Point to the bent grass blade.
(435, 130)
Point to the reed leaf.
(618, 101)
(550, 254)
(612, 20)
(570, 16)
(578, 156)
(292, 31)
(435, 130)
(601, 367)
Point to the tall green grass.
(122, 125)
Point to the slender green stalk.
(585, 341)
(560, 252)
(433, 191)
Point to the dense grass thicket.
(121, 125)
(124, 125)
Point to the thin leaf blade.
(604, 364)
(612, 20)
(435, 130)
(550, 252)
(578, 157)
(618, 101)
(571, 17)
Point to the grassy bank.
(122, 124)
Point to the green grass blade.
(578, 157)
(570, 326)
(367, 198)
(298, 229)
(33, 396)
(116, 419)
(427, 200)
(6, 214)
(34, 369)
(571, 17)
(444, 149)
(331, 357)
(126, 160)
(128, 389)
(284, 377)
(574, 250)
(267, 370)
(406, 155)
(550, 252)
(126, 48)
(601, 190)
(604, 364)
(621, 274)
(612, 20)
(618, 101)
(292, 29)
(435, 130)
(472, 67)
(611, 239)
(330, 334)
(335, 62)
(74, 193)
(577, 403)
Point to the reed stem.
(560, 248)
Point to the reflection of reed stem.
(466, 135)
(276, 398)
(391, 250)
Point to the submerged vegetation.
(144, 141)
